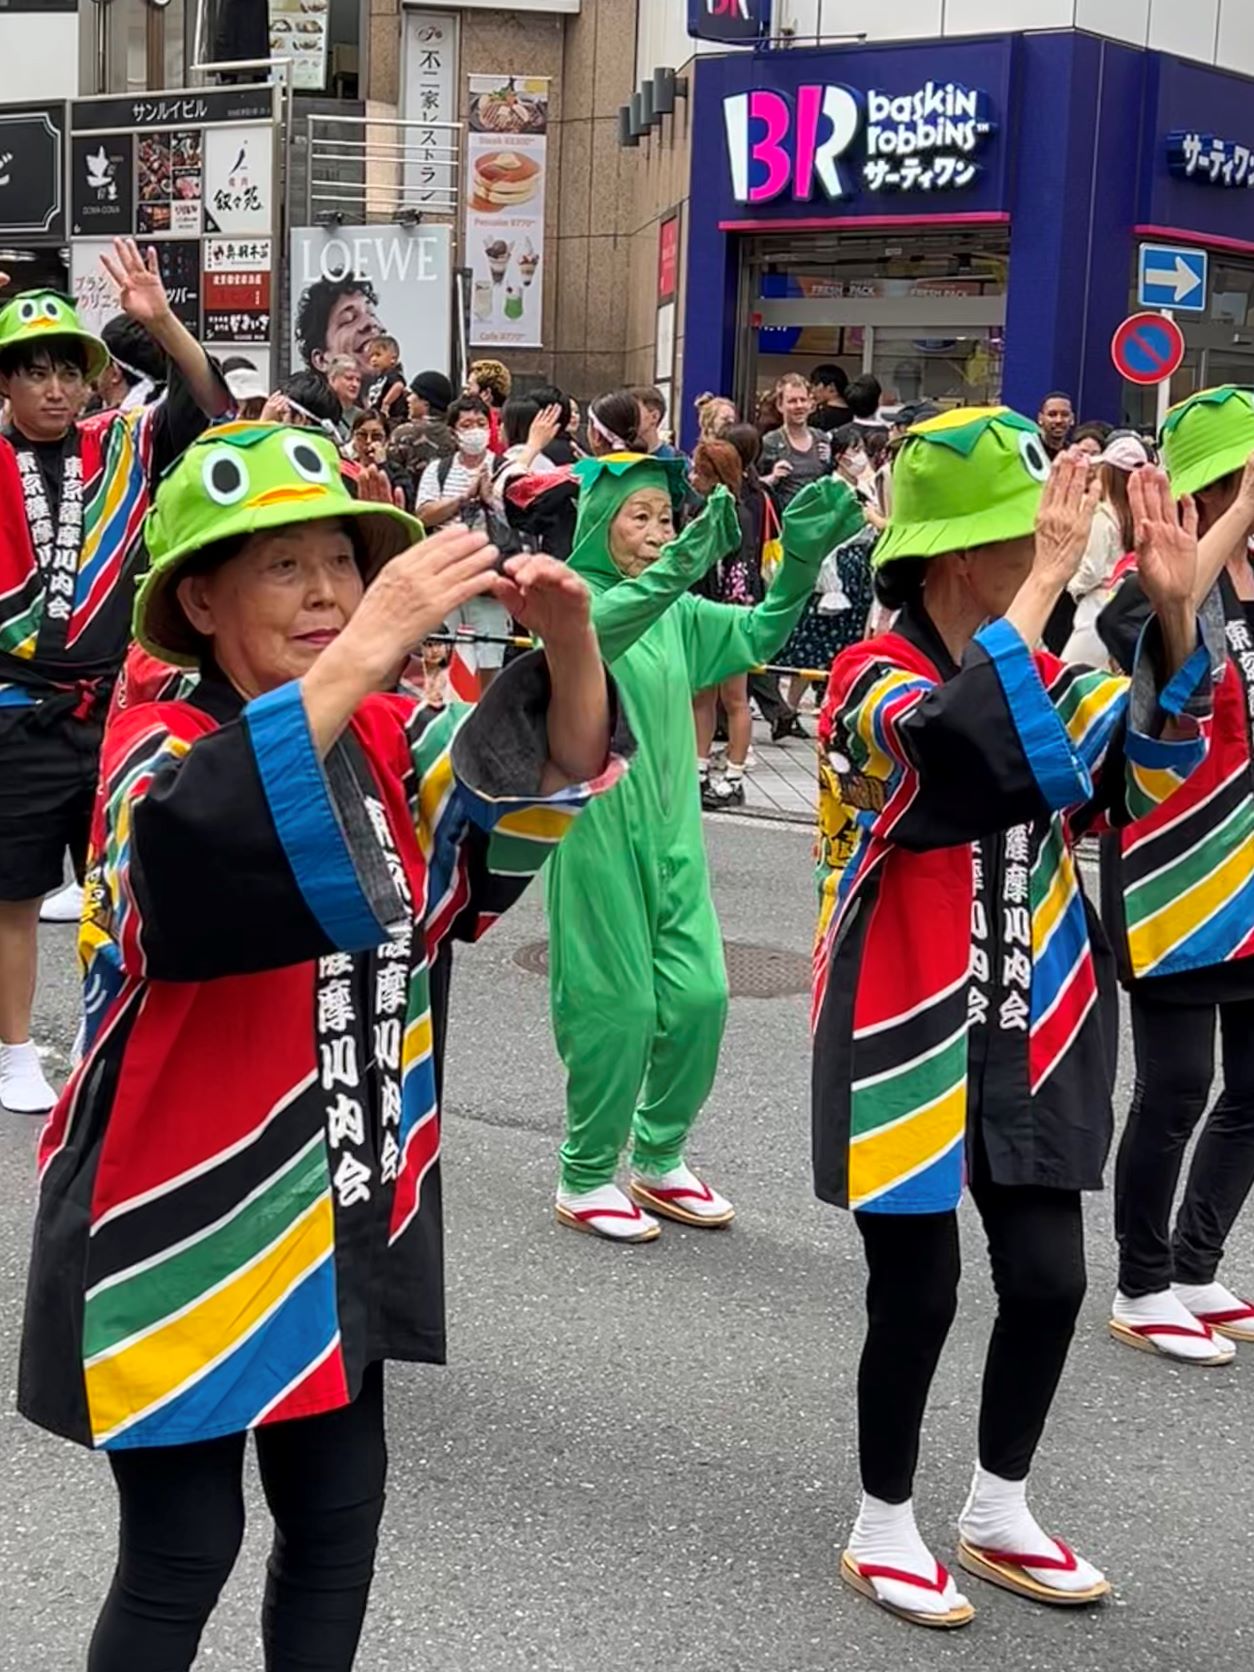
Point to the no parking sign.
(1147, 348)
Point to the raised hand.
(1064, 519)
(141, 292)
(1166, 543)
(817, 519)
(719, 519)
(1245, 493)
(411, 596)
(544, 427)
(544, 595)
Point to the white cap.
(1125, 452)
(245, 384)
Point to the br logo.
(773, 142)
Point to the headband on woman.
(606, 434)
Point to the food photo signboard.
(506, 160)
(298, 31)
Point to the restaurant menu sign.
(506, 162)
(298, 32)
(191, 174)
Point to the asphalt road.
(644, 1457)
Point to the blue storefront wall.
(1217, 109)
(1077, 161)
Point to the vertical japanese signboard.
(236, 294)
(430, 84)
(506, 164)
(192, 175)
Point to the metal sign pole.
(1163, 392)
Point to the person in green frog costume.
(638, 989)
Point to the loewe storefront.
(960, 218)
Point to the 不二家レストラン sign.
(837, 140)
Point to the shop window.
(925, 315)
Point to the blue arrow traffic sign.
(1172, 276)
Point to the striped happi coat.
(1178, 884)
(239, 1200)
(955, 976)
(67, 574)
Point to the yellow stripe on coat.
(881, 1158)
(130, 1379)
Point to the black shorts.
(48, 767)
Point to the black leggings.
(1036, 1248)
(183, 1520)
(1175, 1065)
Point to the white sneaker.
(605, 1212)
(23, 1088)
(65, 906)
(681, 1195)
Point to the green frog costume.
(638, 988)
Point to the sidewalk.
(783, 782)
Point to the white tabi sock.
(1188, 1339)
(885, 1535)
(996, 1518)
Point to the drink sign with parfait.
(505, 164)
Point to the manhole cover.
(753, 972)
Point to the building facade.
(955, 201)
(962, 213)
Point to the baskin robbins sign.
(828, 141)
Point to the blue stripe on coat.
(1061, 776)
(305, 819)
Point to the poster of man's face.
(353, 284)
(341, 317)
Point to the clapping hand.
(374, 487)
(1064, 519)
(1166, 543)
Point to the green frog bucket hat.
(241, 479)
(965, 478)
(1207, 437)
(42, 317)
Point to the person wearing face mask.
(460, 488)
(637, 985)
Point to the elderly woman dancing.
(239, 1217)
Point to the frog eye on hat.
(1035, 461)
(28, 309)
(305, 459)
(224, 476)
